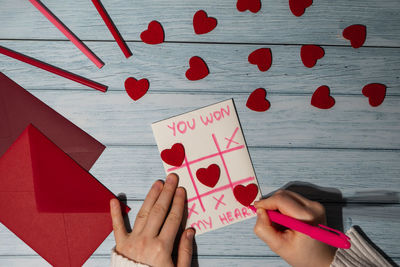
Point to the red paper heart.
(356, 34)
(198, 69)
(202, 23)
(245, 195)
(154, 33)
(209, 176)
(257, 101)
(252, 5)
(262, 58)
(298, 7)
(310, 54)
(174, 156)
(322, 99)
(376, 93)
(136, 88)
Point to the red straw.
(52, 69)
(113, 29)
(67, 32)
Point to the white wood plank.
(372, 220)
(114, 119)
(344, 70)
(322, 23)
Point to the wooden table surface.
(352, 149)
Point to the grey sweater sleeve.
(361, 253)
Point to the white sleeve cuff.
(118, 260)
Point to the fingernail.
(190, 234)
(113, 204)
(170, 178)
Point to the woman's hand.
(296, 248)
(156, 226)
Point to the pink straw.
(52, 69)
(112, 28)
(67, 32)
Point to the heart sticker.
(252, 5)
(310, 54)
(375, 92)
(322, 99)
(174, 156)
(202, 23)
(198, 69)
(262, 58)
(245, 194)
(257, 101)
(210, 176)
(136, 88)
(154, 33)
(356, 34)
(298, 7)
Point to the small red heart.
(245, 195)
(174, 156)
(262, 58)
(257, 101)
(202, 23)
(356, 34)
(252, 5)
(198, 69)
(322, 99)
(376, 93)
(154, 33)
(136, 88)
(209, 176)
(298, 7)
(310, 54)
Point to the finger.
(160, 208)
(120, 232)
(148, 203)
(174, 218)
(266, 232)
(185, 248)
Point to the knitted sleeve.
(118, 260)
(361, 253)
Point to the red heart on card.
(298, 7)
(322, 99)
(245, 194)
(376, 93)
(356, 34)
(174, 156)
(252, 5)
(136, 88)
(202, 23)
(209, 176)
(310, 54)
(262, 58)
(257, 101)
(154, 33)
(198, 69)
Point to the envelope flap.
(60, 184)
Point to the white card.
(210, 136)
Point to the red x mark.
(230, 140)
(192, 210)
(219, 201)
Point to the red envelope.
(52, 203)
(19, 108)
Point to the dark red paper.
(154, 33)
(356, 34)
(310, 54)
(262, 58)
(198, 69)
(52, 203)
(174, 156)
(202, 23)
(136, 88)
(209, 176)
(298, 7)
(19, 108)
(245, 194)
(252, 5)
(322, 98)
(375, 92)
(257, 101)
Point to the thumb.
(266, 232)
(185, 249)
